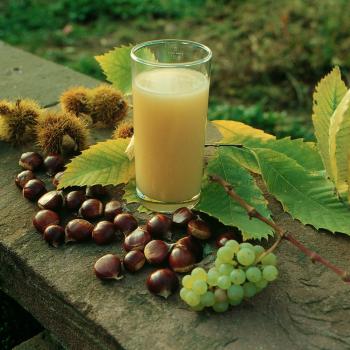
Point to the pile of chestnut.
(106, 223)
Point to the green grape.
(192, 299)
(246, 245)
(258, 249)
(187, 281)
(237, 276)
(235, 292)
(198, 307)
(232, 245)
(270, 273)
(208, 299)
(221, 307)
(253, 274)
(218, 262)
(246, 256)
(224, 254)
(199, 273)
(199, 287)
(249, 289)
(269, 259)
(213, 276)
(261, 284)
(220, 295)
(224, 282)
(183, 293)
(225, 269)
(235, 302)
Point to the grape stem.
(281, 233)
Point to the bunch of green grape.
(238, 274)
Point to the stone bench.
(307, 308)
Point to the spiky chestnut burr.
(18, 121)
(59, 132)
(76, 101)
(107, 106)
(124, 130)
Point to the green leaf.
(130, 196)
(327, 96)
(246, 158)
(307, 196)
(116, 65)
(104, 163)
(339, 150)
(215, 202)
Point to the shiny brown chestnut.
(45, 218)
(54, 235)
(162, 282)
(31, 161)
(56, 178)
(108, 267)
(181, 259)
(224, 237)
(193, 245)
(137, 239)
(182, 216)
(157, 251)
(75, 199)
(104, 233)
(125, 223)
(53, 164)
(91, 209)
(96, 191)
(134, 260)
(52, 200)
(159, 225)
(199, 229)
(33, 189)
(78, 230)
(23, 177)
(112, 209)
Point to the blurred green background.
(268, 54)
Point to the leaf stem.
(282, 234)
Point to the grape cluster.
(238, 274)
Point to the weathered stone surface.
(25, 75)
(42, 341)
(307, 308)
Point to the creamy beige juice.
(170, 113)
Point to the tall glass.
(170, 88)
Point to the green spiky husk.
(55, 128)
(107, 106)
(18, 121)
(124, 130)
(76, 100)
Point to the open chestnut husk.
(157, 251)
(112, 209)
(163, 282)
(137, 239)
(199, 229)
(45, 218)
(54, 235)
(52, 200)
(23, 177)
(159, 225)
(182, 216)
(78, 230)
(104, 233)
(33, 189)
(125, 223)
(31, 161)
(134, 260)
(91, 209)
(108, 267)
(181, 259)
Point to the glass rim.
(137, 47)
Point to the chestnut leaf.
(130, 196)
(104, 163)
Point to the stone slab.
(308, 307)
(25, 75)
(42, 341)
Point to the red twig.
(282, 234)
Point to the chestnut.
(31, 161)
(163, 282)
(112, 209)
(182, 216)
(158, 225)
(56, 178)
(157, 251)
(181, 259)
(125, 223)
(134, 260)
(96, 191)
(137, 239)
(54, 235)
(23, 177)
(33, 189)
(224, 237)
(91, 209)
(199, 229)
(52, 200)
(75, 199)
(45, 218)
(104, 233)
(53, 164)
(78, 230)
(193, 245)
(108, 267)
